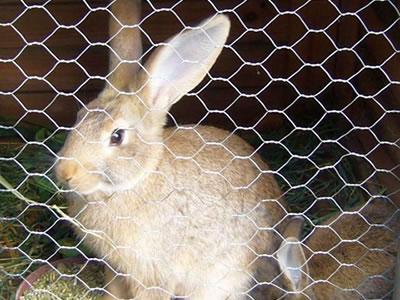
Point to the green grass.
(27, 225)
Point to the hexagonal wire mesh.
(193, 211)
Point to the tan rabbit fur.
(347, 258)
(180, 211)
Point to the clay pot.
(29, 281)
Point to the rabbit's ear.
(291, 257)
(292, 262)
(182, 62)
(125, 41)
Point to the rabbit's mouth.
(119, 182)
(85, 186)
(86, 183)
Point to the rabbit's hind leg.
(153, 294)
(223, 283)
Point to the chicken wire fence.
(311, 85)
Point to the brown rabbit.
(180, 211)
(351, 256)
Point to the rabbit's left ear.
(290, 255)
(182, 63)
(292, 262)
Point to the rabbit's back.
(230, 197)
(362, 249)
(221, 182)
(208, 153)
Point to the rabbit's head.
(117, 139)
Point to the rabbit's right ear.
(291, 258)
(182, 62)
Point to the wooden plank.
(158, 25)
(367, 112)
(69, 44)
(67, 77)
(40, 2)
(64, 108)
(104, 3)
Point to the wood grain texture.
(73, 43)
(267, 76)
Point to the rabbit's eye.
(117, 137)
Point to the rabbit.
(181, 211)
(312, 270)
(276, 272)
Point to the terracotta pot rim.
(27, 282)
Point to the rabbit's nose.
(66, 169)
